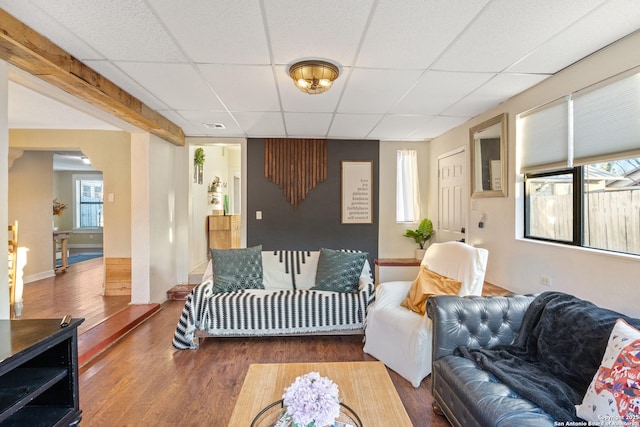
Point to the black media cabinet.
(39, 373)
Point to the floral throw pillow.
(614, 394)
(339, 271)
(236, 269)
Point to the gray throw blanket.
(556, 354)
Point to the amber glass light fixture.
(313, 76)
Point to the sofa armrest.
(391, 294)
(476, 322)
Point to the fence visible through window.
(610, 206)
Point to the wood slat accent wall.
(117, 276)
(296, 165)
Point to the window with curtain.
(588, 196)
(407, 187)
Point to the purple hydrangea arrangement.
(311, 401)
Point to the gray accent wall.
(315, 223)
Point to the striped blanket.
(280, 309)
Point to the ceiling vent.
(214, 126)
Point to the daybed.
(528, 361)
(304, 292)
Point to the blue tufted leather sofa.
(463, 392)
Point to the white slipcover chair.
(401, 338)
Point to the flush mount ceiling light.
(313, 76)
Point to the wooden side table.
(62, 237)
(392, 269)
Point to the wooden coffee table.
(364, 386)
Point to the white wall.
(391, 242)
(141, 218)
(607, 279)
(159, 215)
(166, 253)
(4, 181)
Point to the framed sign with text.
(356, 192)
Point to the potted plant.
(421, 235)
(198, 162)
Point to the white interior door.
(452, 203)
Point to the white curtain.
(407, 187)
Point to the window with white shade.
(591, 197)
(407, 187)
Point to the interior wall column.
(140, 218)
(4, 183)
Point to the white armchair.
(401, 338)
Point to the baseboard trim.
(38, 276)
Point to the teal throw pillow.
(339, 271)
(236, 269)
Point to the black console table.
(39, 373)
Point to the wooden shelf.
(22, 385)
(39, 373)
(397, 262)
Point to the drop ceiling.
(410, 69)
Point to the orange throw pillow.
(427, 284)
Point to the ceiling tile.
(187, 59)
(199, 118)
(578, 41)
(506, 31)
(177, 85)
(413, 33)
(118, 29)
(473, 105)
(505, 85)
(187, 127)
(376, 91)
(123, 81)
(436, 91)
(306, 125)
(397, 128)
(265, 124)
(436, 126)
(221, 31)
(34, 17)
(353, 125)
(328, 29)
(243, 88)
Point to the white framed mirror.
(489, 161)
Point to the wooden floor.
(142, 379)
(77, 292)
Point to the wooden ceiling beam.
(30, 51)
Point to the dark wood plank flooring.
(142, 379)
(77, 292)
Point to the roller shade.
(544, 137)
(607, 120)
